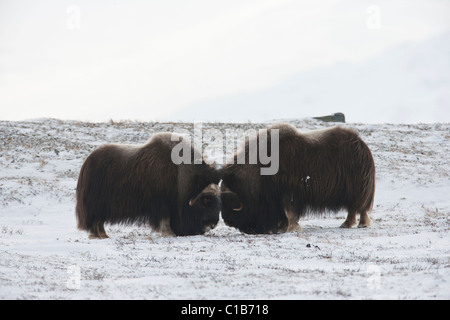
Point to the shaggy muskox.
(142, 184)
(320, 171)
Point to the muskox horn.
(240, 208)
(226, 191)
(212, 189)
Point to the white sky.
(144, 60)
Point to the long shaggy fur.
(141, 184)
(320, 171)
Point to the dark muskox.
(141, 184)
(320, 171)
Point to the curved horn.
(227, 191)
(212, 189)
(240, 208)
(193, 200)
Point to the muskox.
(319, 171)
(143, 185)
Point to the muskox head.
(251, 199)
(251, 211)
(198, 204)
(204, 208)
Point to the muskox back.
(141, 184)
(321, 171)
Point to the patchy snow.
(404, 254)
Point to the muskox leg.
(97, 231)
(364, 220)
(165, 229)
(351, 219)
(291, 214)
(292, 222)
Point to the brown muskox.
(320, 171)
(143, 185)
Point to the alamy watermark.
(221, 147)
(74, 280)
(73, 21)
(374, 17)
(374, 277)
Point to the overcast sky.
(147, 60)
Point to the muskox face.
(261, 215)
(200, 213)
(207, 206)
(233, 212)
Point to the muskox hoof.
(167, 234)
(294, 228)
(98, 236)
(363, 226)
(350, 221)
(364, 220)
(348, 224)
(98, 231)
(345, 225)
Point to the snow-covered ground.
(405, 254)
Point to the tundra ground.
(405, 254)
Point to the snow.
(405, 254)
